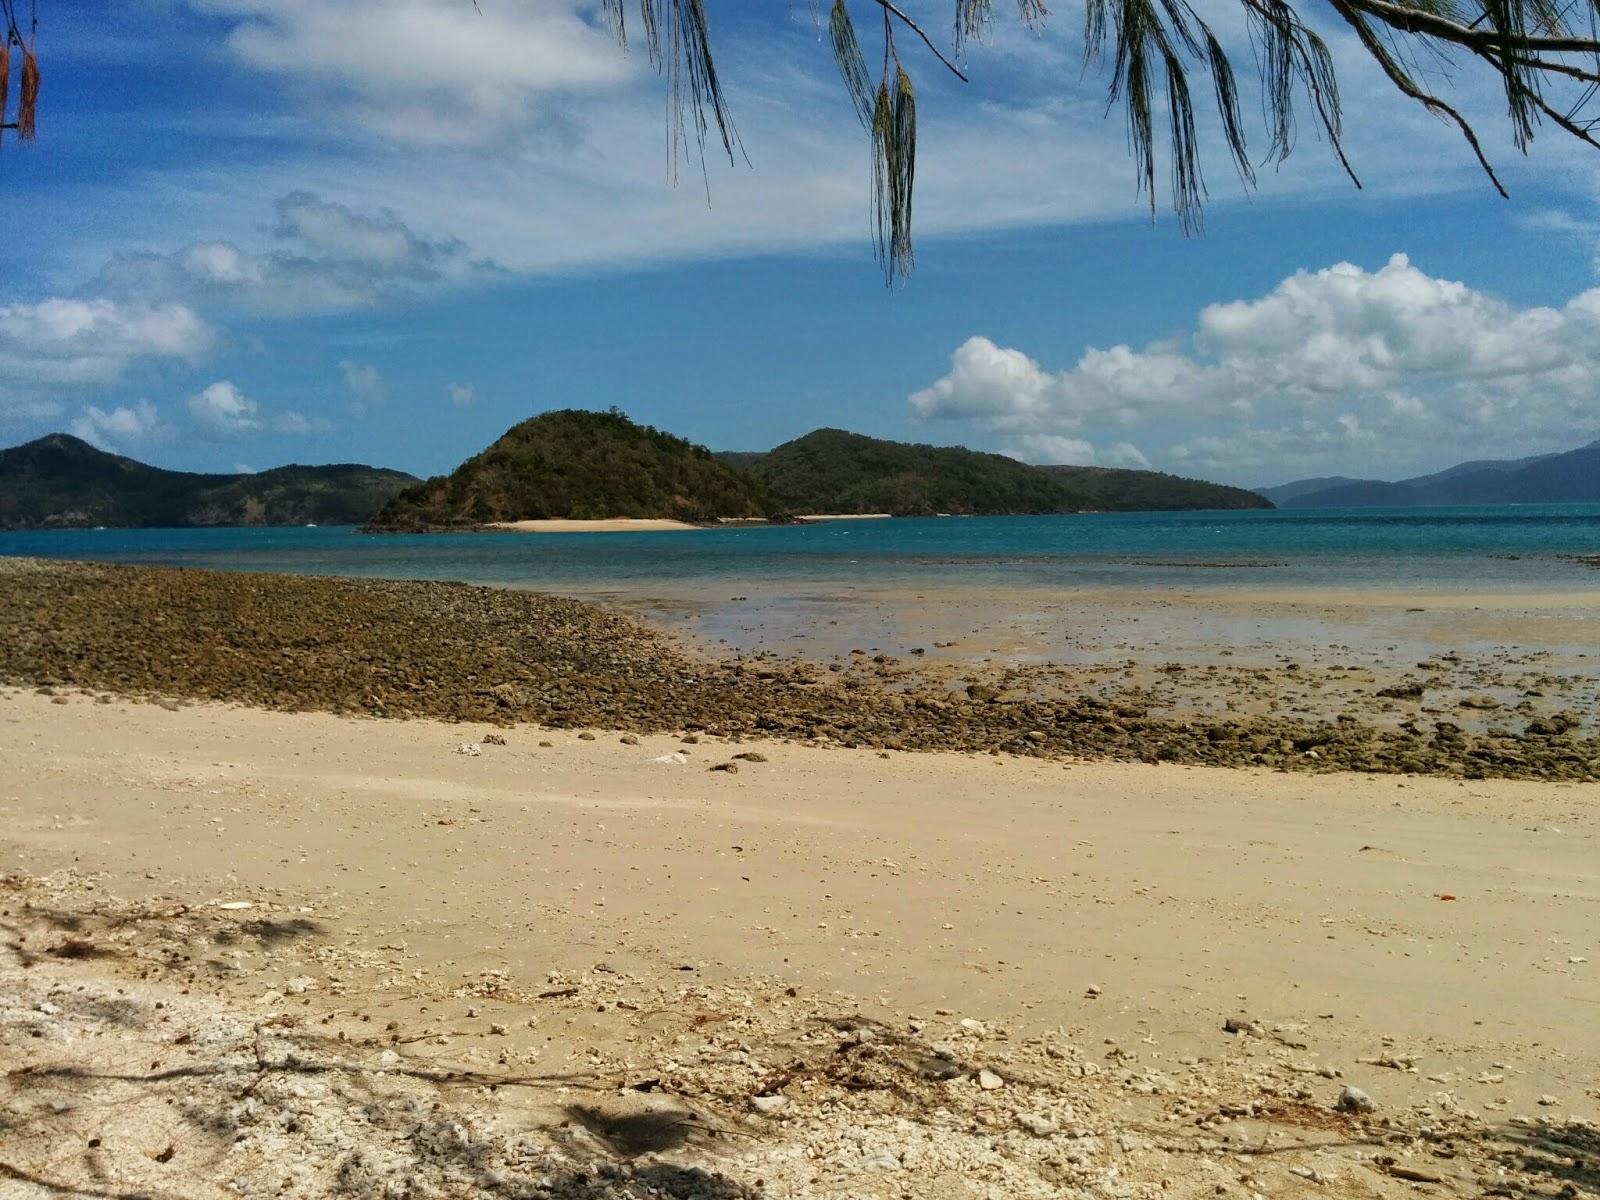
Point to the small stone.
(1548, 1100)
(770, 1105)
(752, 756)
(1092, 990)
(498, 1030)
(727, 768)
(586, 736)
(628, 739)
(1354, 1100)
(881, 1159)
(989, 1081)
(1037, 1124)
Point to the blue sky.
(259, 231)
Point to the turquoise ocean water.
(1517, 548)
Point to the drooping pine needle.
(28, 96)
(5, 81)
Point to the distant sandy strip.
(609, 525)
(654, 524)
(809, 517)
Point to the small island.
(573, 465)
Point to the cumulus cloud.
(330, 258)
(367, 388)
(462, 395)
(122, 427)
(1340, 361)
(223, 411)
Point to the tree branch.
(1567, 123)
(891, 9)
(1347, 10)
(1550, 64)
(1413, 20)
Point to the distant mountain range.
(832, 471)
(1572, 477)
(61, 482)
(574, 463)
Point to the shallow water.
(1509, 548)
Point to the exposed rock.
(1354, 1100)
(422, 649)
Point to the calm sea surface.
(1518, 548)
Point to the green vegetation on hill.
(578, 465)
(61, 482)
(1115, 489)
(831, 471)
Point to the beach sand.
(563, 966)
(606, 525)
(846, 516)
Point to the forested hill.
(578, 465)
(62, 482)
(832, 471)
(1118, 489)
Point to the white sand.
(943, 886)
(846, 517)
(609, 525)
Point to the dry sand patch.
(463, 973)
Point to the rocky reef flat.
(469, 653)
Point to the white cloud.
(63, 341)
(329, 258)
(1341, 363)
(223, 411)
(462, 395)
(122, 427)
(426, 70)
(366, 384)
(1123, 454)
(1053, 449)
(573, 172)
